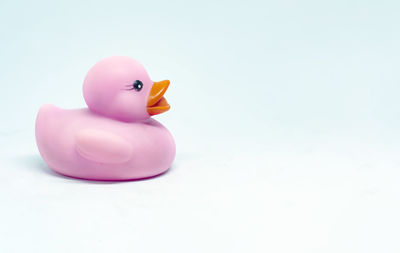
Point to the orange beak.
(156, 102)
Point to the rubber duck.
(115, 138)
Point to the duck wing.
(102, 146)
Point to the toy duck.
(115, 138)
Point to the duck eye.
(137, 85)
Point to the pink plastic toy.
(115, 139)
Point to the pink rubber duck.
(115, 138)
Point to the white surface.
(285, 113)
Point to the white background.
(285, 114)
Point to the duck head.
(119, 87)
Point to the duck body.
(83, 144)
